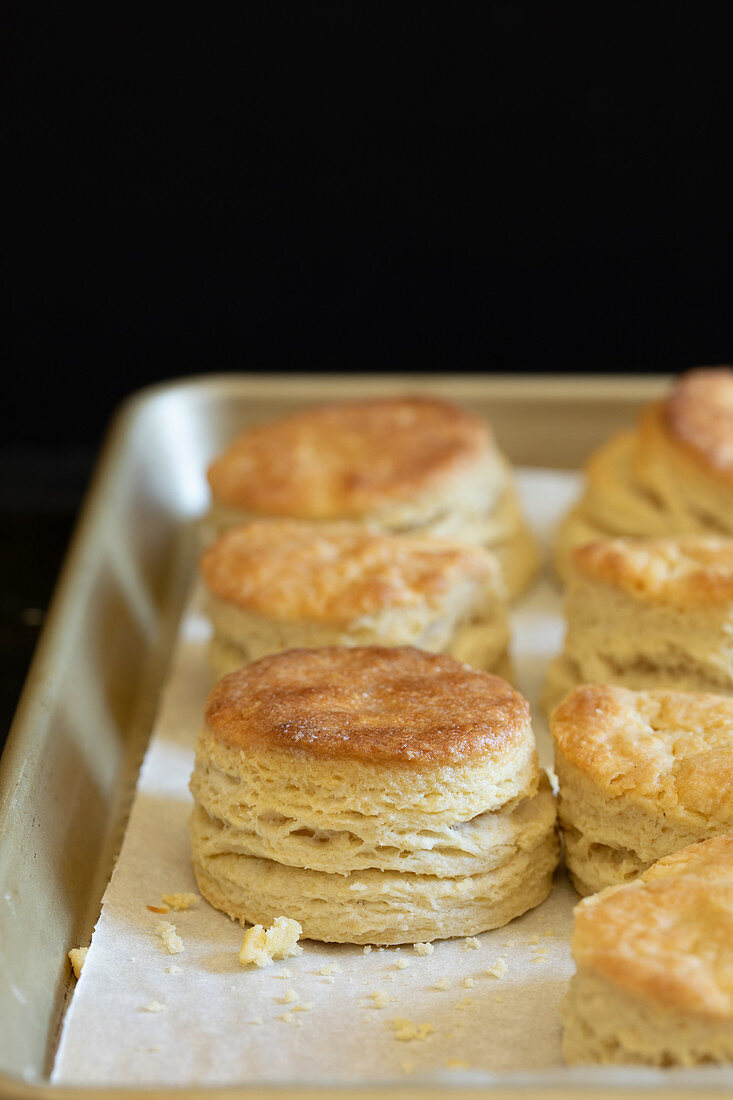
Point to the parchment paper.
(222, 1024)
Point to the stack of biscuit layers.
(375, 795)
(672, 475)
(404, 465)
(648, 613)
(654, 981)
(640, 775)
(282, 584)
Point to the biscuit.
(373, 794)
(648, 613)
(640, 775)
(654, 980)
(672, 474)
(400, 464)
(286, 584)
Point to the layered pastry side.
(375, 795)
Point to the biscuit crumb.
(469, 983)
(466, 1002)
(423, 948)
(539, 959)
(329, 969)
(499, 1000)
(533, 940)
(306, 1006)
(284, 973)
(442, 983)
(497, 969)
(288, 997)
(408, 1068)
(157, 908)
(549, 932)
(471, 944)
(77, 955)
(260, 946)
(405, 1031)
(368, 949)
(153, 1006)
(380, 998)
(256, 1020)
(173, 970)
(180, 900)
(456, 1063)
(402, 964)
(288, 1018)
(171, 940)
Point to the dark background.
(499, 187)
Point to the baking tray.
(68, 772)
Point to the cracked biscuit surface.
(648, 613)
(654, 980)
(640, 774)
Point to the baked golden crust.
(698, 415)
(683, 571)
(666, 749)
(667, 938)
(349, 458)
(375, 704)
(335, 573)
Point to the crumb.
(171, 940)
(77, 956)
(287, 1018)
(408, 1068)
(499, 1000)
(157, 908)
(256, 1020)
(533, 940)
(358, 887)
(456, 1063)
(402, 964)
(284, 973)
(175, 970)
(380, 998)
(471, 944)
(180, 900)
(497, 969)
(330, 968)
(260, 946)
(367, 949)
(442, 983)
(329, 978)
(466, 1002)
(153, 1006)
(306, 1006)
(468, 982)
(289, 996)
(539, 959)
(406, 1031)
(549, 932)
(423, 948)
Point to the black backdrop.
(342, 187)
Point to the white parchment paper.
(222, 1024)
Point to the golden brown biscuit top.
(667, 937)
(373, 704)
(672, 749)
(681, 572)
(698, 414)
(293, 570)
(347, 459)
